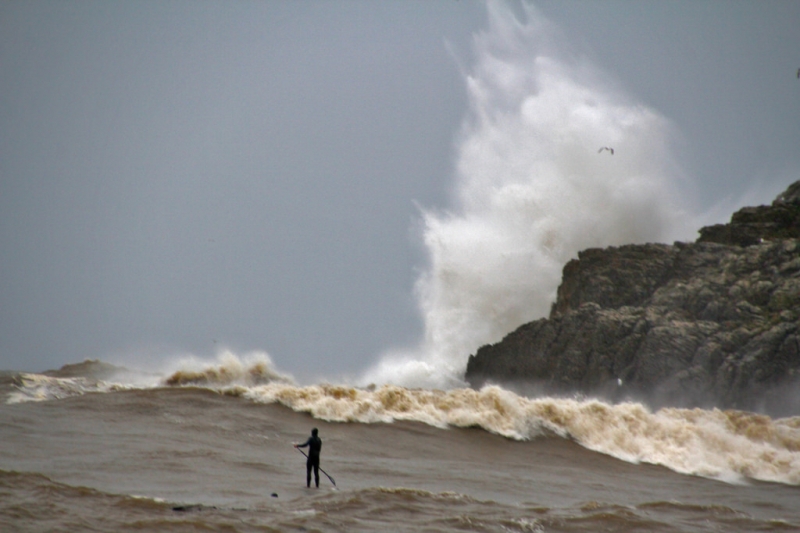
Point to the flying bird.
(606, 148)
(798, 74)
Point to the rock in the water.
(710, 323)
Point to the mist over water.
(532, 188)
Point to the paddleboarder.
(314, 444)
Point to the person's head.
(314, 432)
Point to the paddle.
(321, 470)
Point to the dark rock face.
(710, 323)
(751, 225)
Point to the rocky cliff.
(710, 323)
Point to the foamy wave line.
(39, 388)
(726, 445)
(229, 371)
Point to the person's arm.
(306, 443)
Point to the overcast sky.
(182, 176)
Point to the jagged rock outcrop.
(710, 323)
(752, 225)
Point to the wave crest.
(726, 445)
(256, 369)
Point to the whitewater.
(728, 445)
(96, 447)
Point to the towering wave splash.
(532, 188)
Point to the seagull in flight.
(606, 148)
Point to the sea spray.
(533, 186)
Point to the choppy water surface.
(213, 450)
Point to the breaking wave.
(255, 369)
(728, 445)
(228, 370)
(39, 387)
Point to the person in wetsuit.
(314, 444)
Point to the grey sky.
(179, 176)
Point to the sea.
(96, 447)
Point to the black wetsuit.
(314, 444)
